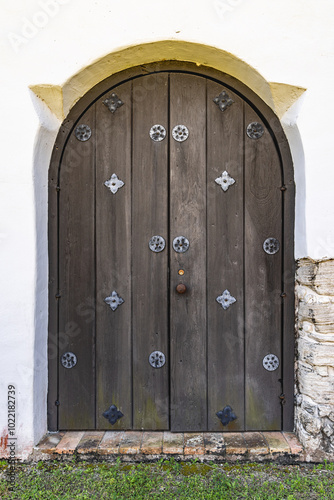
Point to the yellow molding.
(60, 99)
(52, 96)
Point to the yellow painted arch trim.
(61, 98)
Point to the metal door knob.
(181, 288)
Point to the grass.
(167, 480)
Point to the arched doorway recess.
(161, 176)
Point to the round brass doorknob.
(181, 288)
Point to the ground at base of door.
(136, 446)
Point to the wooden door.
(171, 179)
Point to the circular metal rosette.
(157, 359)
(270, 362)
(157, 243)
(255, 130)
(181, 244)
(271, 246)
(180, 133)
(83, 133)
(157, 133)
(68, 360)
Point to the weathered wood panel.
(77, 280)
(113, 260)
(188, 218)
(225, 226)
(149, 269)
(263, 279)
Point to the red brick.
(152, 443)
(234, 443)
(130, 443)
(110, 442)
(256, 444)
(295, 446)
(276, 441)
(173, 443)
(69, 442)
(193, 443)
(214, 443)
(90, 441)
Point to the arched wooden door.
(160, 180)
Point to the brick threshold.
(136, 446)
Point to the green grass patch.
(166, 480)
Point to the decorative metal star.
(225, 181)
(223, 101)
(226, 415)
(114, 300)
(112, 414)
(113, 102)
(114, 183)
(225, 299)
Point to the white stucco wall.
(46, 42)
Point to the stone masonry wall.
(315, 355)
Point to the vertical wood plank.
(288, 288)
(263, 279)
(113, 260)
(149, 269)
(225, 259)
(188, 218)
(77, 280)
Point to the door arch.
(118, 178)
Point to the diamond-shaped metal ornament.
(225, 180)
(114, 300)
(114, 183)
(223, 101)
(225, 299)
(113, 102)
(112, 414)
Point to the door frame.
(288, 266)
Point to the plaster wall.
(51, 41)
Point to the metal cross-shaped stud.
(114, 183)
(225, 299)
(112, 414)
(225, 181)
(226, 415)
(223, 101)
(113, 102)
(114, 300)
